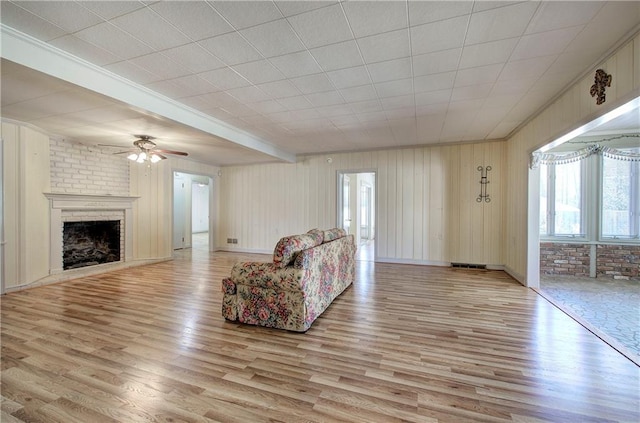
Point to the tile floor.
(608, 308)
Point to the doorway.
(356, 210)
(191, 211)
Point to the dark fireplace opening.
(90, 243)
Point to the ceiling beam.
(38, 55)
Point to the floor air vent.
(468, 266)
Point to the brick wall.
(564, 259)
(612, 261)
(618, 261)
(81, 169)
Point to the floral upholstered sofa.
(307, 273)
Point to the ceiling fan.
(145, 150)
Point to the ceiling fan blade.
(126, 151)
(179, 153)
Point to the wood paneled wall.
(426, 202)
(573, 109)
(26, 177)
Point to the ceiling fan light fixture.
(156, 158)
(132, 157)
(142, 157)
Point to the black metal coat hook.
(483, 184)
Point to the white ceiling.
(256, 81)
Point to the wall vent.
(468, 266)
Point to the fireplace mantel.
(60, 202)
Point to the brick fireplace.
(70, 208)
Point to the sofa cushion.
(335, 233)
(319, 234)
(289, 246)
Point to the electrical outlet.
(229, 240)
(234, 240)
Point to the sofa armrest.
(268, 275)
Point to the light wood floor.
(404, 343)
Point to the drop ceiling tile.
(111, 9)
(244, 14)
(367, 106)
(526, 69)
(338, 56)
(268, 106)
(187, 86)
(511, 89)
(390, 70)
(350, 77)
(69, 16)
(313, 83)
(28, 85)
(438, 62)
(133, 72)
(25, 21)
(544, 43)
(114, 40)
(334, 110)
(312, 26)
(435, 82)
(296, 64)
(259, 72)
(295, 103)
(225, 78)
(433, 97)
(249, 94)
(194, 57)
(562, 14)
(471, 92)
(372, 117)
(422, 12)
(497, 24)
(231, 48)
(196, 19)
(399, 102)
(487, 53)
(151, 29)
(280, 89)
(478, 75)
(441, 35)
(84, 50)
(290, 8)
(361, 93)
(160, 65)
(274, 38)
(326, 98)
(387, 46)
(374, 17)
(238, 109)
(394, 88)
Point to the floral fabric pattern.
(290, 297)
(333, 234)
(288, 246)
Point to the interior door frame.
(212, 215)
(339, 202)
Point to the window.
(620, 198)
(612, 187)
(562, 200)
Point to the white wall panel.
(426, 209)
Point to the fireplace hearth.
(89, 243)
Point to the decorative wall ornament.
(556, 158)
(601, 80)
(483, 184)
